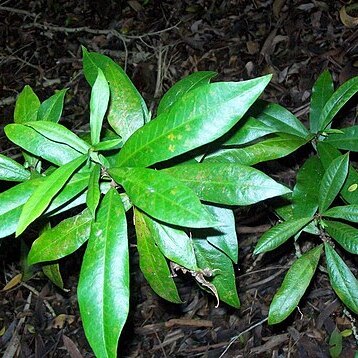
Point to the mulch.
(159, 42)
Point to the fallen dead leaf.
(59, 321)
(13, 282)
(348, 20)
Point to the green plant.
(175, 173)
(323, 203)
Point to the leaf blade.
(98, 105)
(27, 105)
(294, 285)
(153, 263)
(163, 197)
(332, 181)
(342, 279)
(51, 109)
(11, 170)
(199, 117)
(42, 196)
(103, 288)
(279, 234)
(237, 184)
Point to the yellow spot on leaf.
(171, 148)
(171, 136)
(353, 187)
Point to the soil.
(159, 42)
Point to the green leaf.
(224, 237)
(173, 243)
(230, 184)
(152, 262)
(103, 288)
(33, 142)
(277, 146)
(347, 140)
(11, 203)
(349, 190)
(338, 99)
(27, 105)
(127, 111)
(68, 194)
(279, 234)
(346, 212)
(59, 134)
(332, 181)
(305, 192)
(294, 285)
(279, 118)
(51, 109)
(93, 193)
(335, 343)
(345, 235)
(98, 105)
(163, 197)
(11, 170)
(182, 87)
(52, 271)
(62, 240)
(108, 145)
(249, 129)
(197, 118)
(321, 92)
(209, 257)
(42, 196)
(342, 279)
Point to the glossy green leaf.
(98, 105)
(279, 118)
(247, 130)
(346, 212)
(163, 197)
(152, 262)
(347, 140)
(59, 134)
(342, 279)
(305, 192)
(103, 288)
(277, 146)
(345, 235)
(11, 203)
(349, 190)
(27, 105)
(175, 244)
(127, 111)
(230, 184)
(199, 117)
(332, 181)
(209, 257)
(42, 196)
(321, 92)
(182, 87)
(279, 234)
(294, 286)
(33, 142)
(338, 99)
(52, 272)
(108, 145)
(62, 240)
(224, 237)
(68, 194)
(51, 109)
(93, 193)
(11, 170)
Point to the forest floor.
(159, 42)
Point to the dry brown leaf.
(60, 320)
(277, 7)
(347, 20)
(13, 282)
(71, 347)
